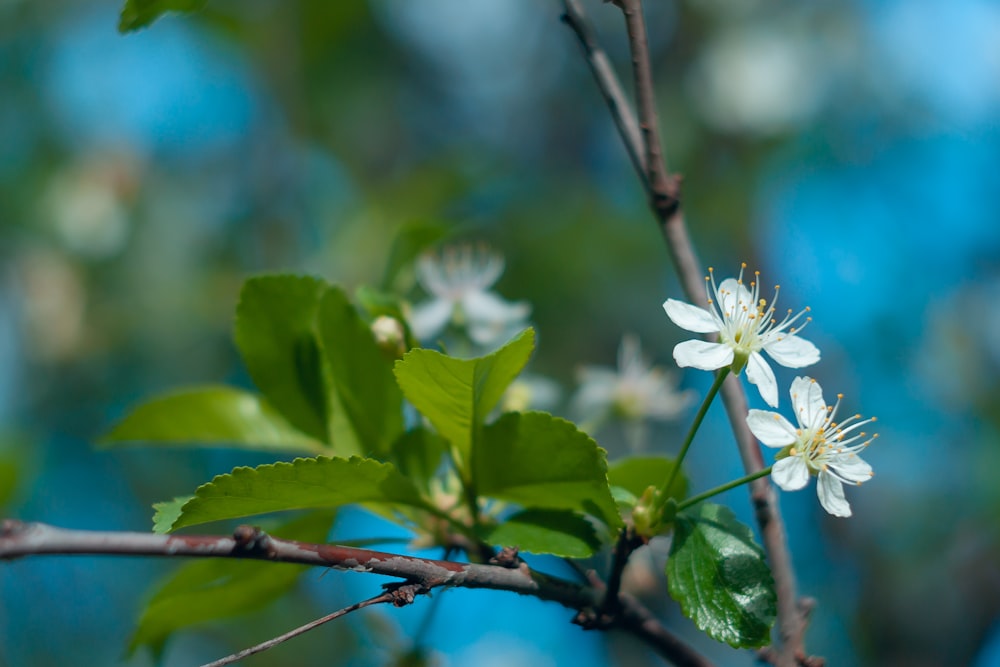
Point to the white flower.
(819, 446)
(634, 391)
(746, 325)
(459, 280)
(530, 392)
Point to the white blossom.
(819, 446)
(746, 326)
(530, 392)
(635, 390)
(458, 280)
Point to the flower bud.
(389, 336)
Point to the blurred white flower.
(459, 279)
(746, 325)
(635, 391)
(87, 204)
(819, 446)
(530, 392)
(762, 79)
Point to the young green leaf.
(276, 334)
(211, 589)
(457, 394)
(165, 513)
(140, 13)
(541, 461)
(370, 402)
(638, 473)
(720, 578)
(557, 532)
(212, 416)
(302, 484)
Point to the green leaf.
(212, 416)
(216, 588)
(410, 241)
(556, 532)
(638, 473)
(418, 455)
(541, 461)
(302, 484)
(371, 405)
(276, 334)
(720, 578)
(167, 512)
(457, 394)
(140, 13)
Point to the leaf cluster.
(417, 440)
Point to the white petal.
(430, 318)
(760, 374)
(702, 355)
(831, 495)
(790, 473)
(770, 428)
(488, 333)
(630, 361)
(852, 468)
(431, 275)
(733, 297)
(791, 351)
(488, 307)
(808, 403)
(690, 318)
(592, 400)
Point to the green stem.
(698, 418)
(694, 500)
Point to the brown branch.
(19, 539)
(399, 595)
(663, 191)
(600, 66)
(627, 542)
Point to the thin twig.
(19, 539)
(388, 596)
(603, 71)
(663, 192)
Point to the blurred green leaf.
(8, 480)
(541, 461)
(411, 239)
(276, 334)
(720, 578)
(141, 13)
(302, 484)
(418, 454)
(371, 405)
(556, 532)
(216, 588)
(212, 416)
(457, 394)
(638, 473)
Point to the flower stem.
(698, 418)
(694, 500)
